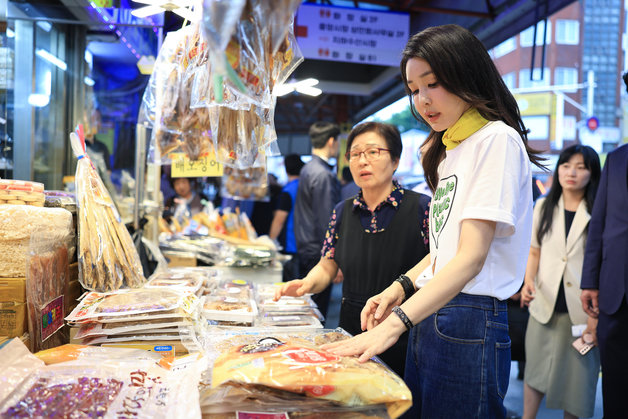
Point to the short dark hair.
(625, 77)
(321, 132)
(192, 180)
(388, 132)
(293, 164)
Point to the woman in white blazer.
(554, 368)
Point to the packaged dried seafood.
(224, 308)
(190, 282)
(132, 301)
(72, 352)
(251, 183)
(300, 366)
(107, 389)
(125, 328)
(291, 320)
(108, 259)
(46, 276)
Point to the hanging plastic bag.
(108, 259)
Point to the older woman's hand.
(378, 307)
(294, 288)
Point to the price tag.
(206, 165)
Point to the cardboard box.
(13, 309)
(13, 318)
(73, 290)
(175, 261)
(12, 290)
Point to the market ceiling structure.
(351, 91)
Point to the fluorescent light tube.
(51, 58)
(89, 81)
(143, 12)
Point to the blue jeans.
(458, 362)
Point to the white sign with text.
(351, 35)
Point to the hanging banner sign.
(351, 35)
(206, 165)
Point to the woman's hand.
(294, 288)
(371, 343)
(527, 293)
(378, 307)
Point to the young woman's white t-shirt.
(486, 177)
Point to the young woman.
(373, 237)
(477, 162)
(552, 290)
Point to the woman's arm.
(378, 307)
(476, 237)
(314, 282)
(532, 268)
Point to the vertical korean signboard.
(351, 35)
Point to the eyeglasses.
(371, 153)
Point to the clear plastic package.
(132, 301)
(108, 259)
(293, 361)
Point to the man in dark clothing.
(282, 228)
(318, 193)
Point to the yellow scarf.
(469, 122)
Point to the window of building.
(565, 75)
(505, 47)
(526, 36)
(567, 32)
(524, 78)
(510, 80)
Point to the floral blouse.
(376, 221)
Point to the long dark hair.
(591, 162)
(462, 65)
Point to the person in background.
(605, 278)
(458, 362)
(186, 193)
(263, 211)
(551, 289)
(94, 145)
(317, 194)
(349, 188)
(374, 236)
(282, 227)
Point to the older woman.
(372, 237)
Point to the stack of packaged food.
(21, 192)
(146, 318)
(231, 303)
(293, 312)
(287, 373)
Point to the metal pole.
(140, 169)
(560, 110)
(590, 91)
